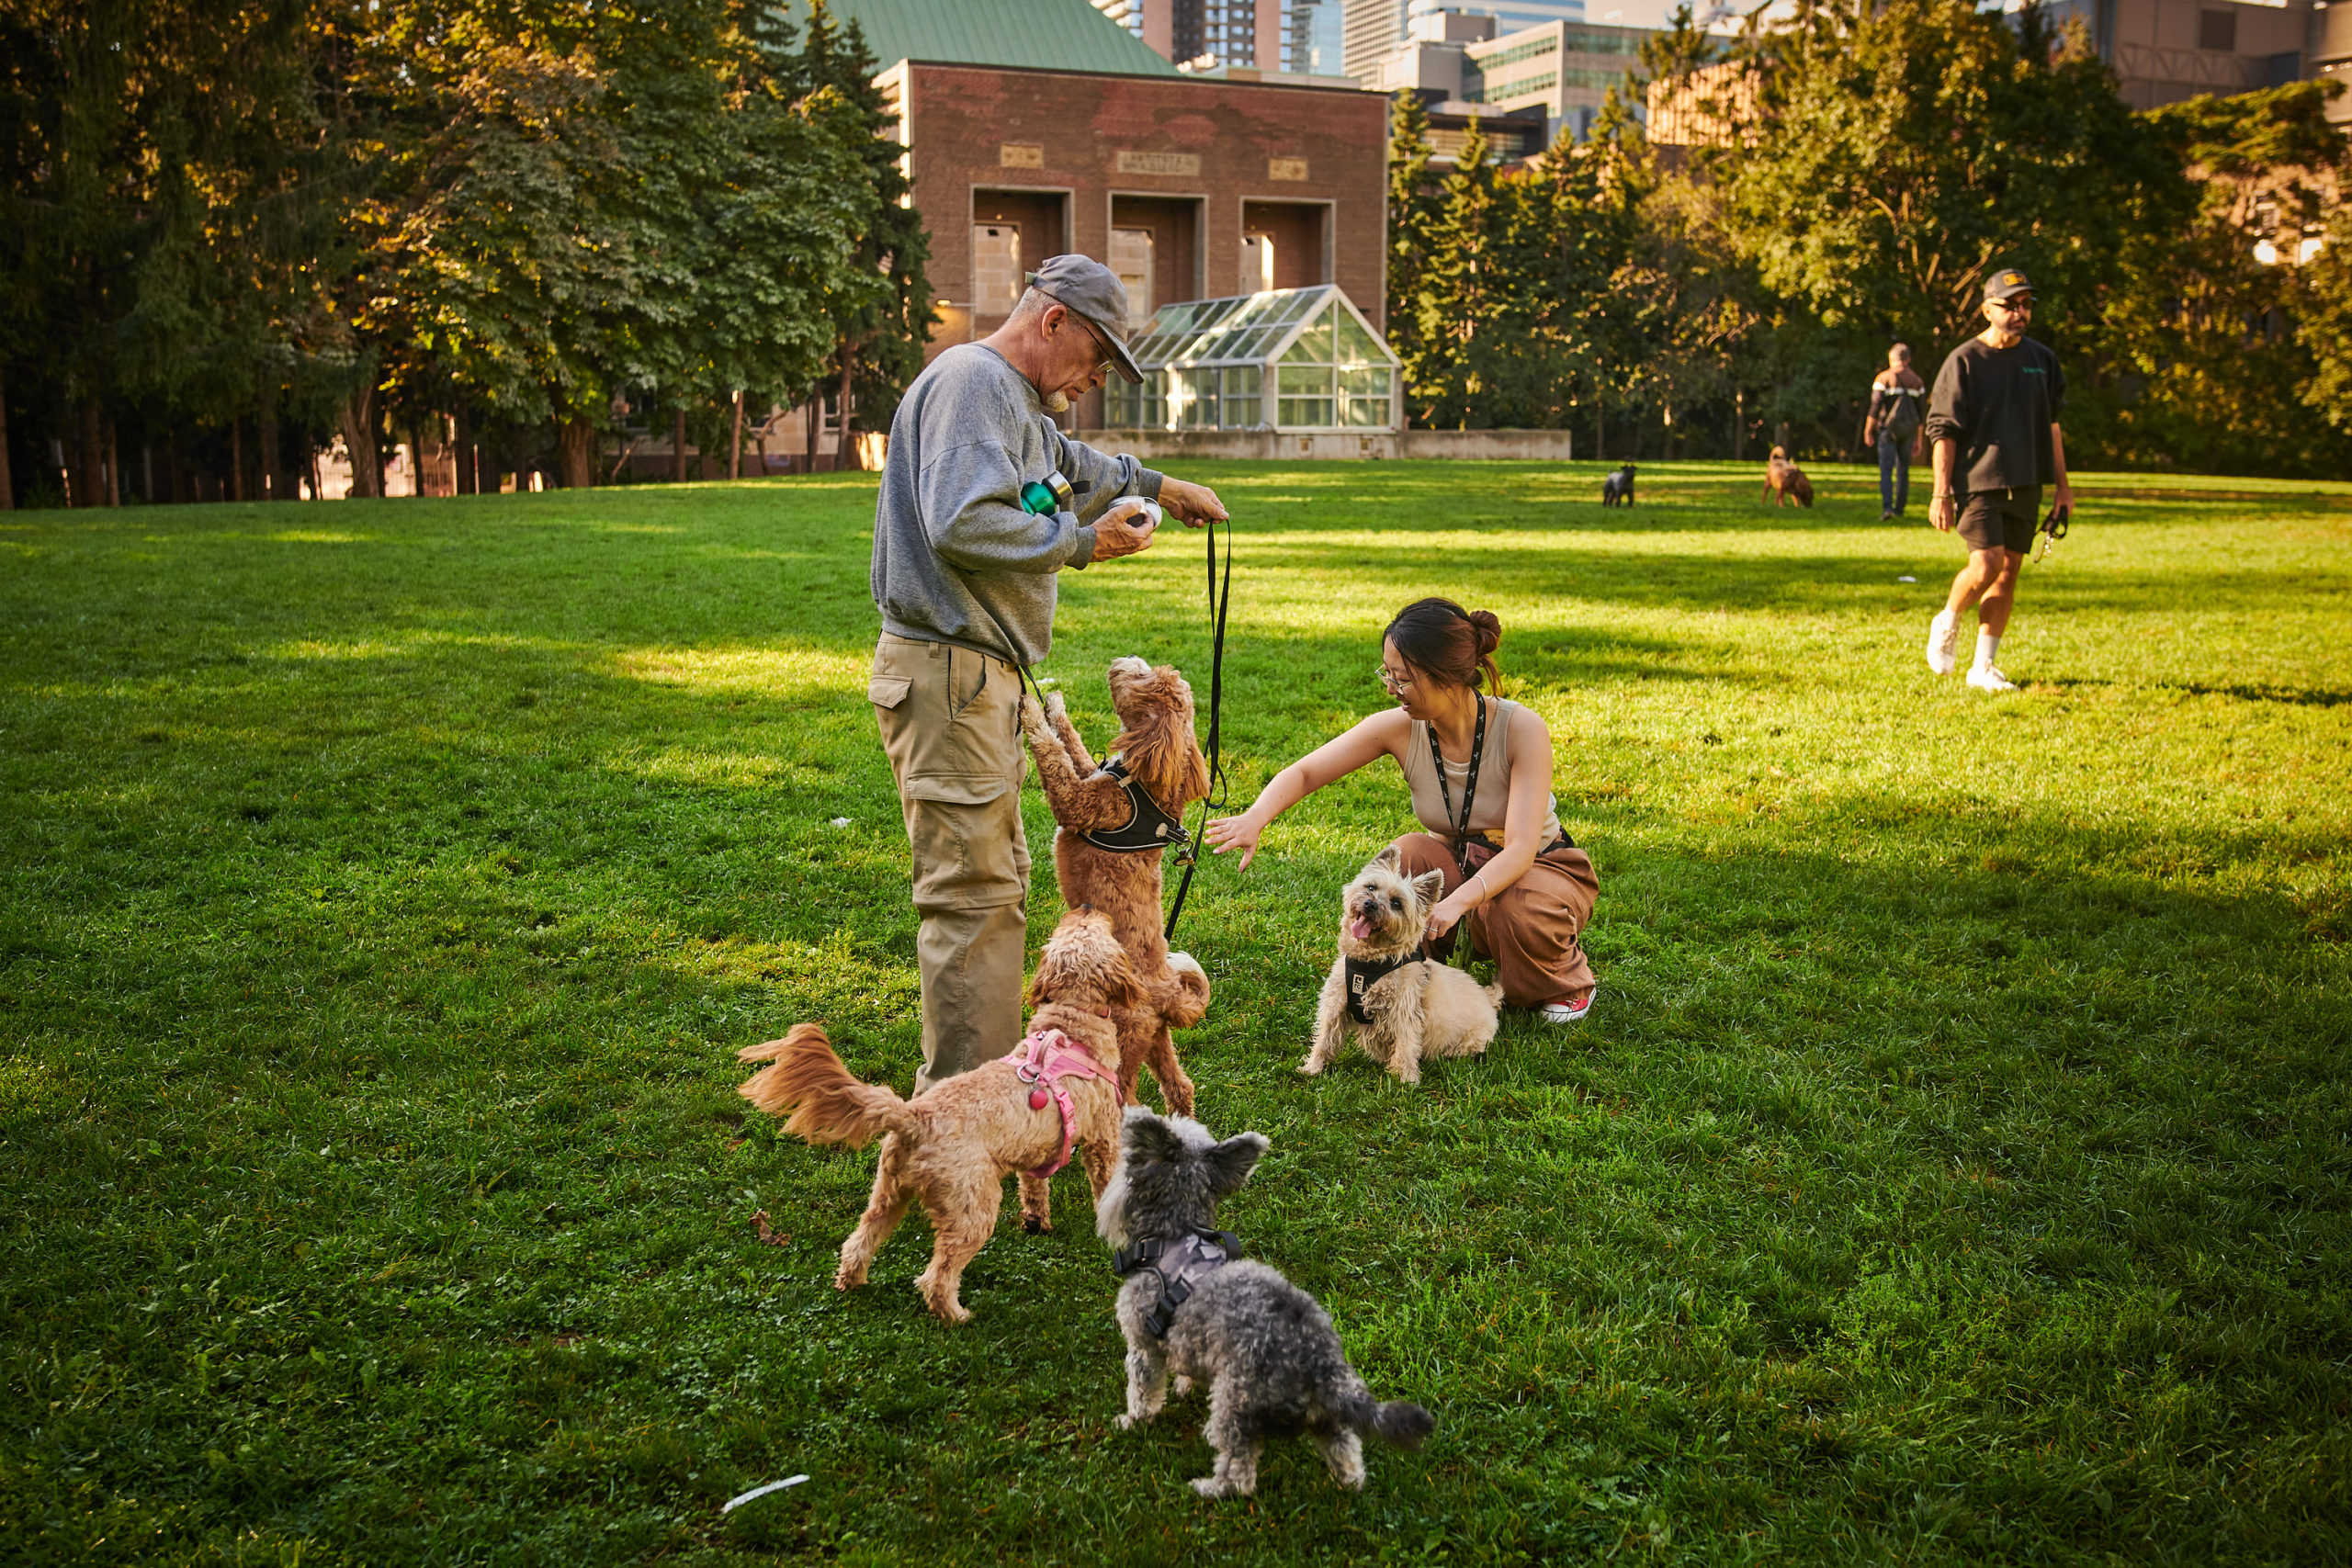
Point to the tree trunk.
(310, 459)
(237, 460)
(678, 448)
(8, 481)
(845, 449)
(276, 476)
(468, 475)
(416, 461)
(175, 468)
(83, 484)
(112, 465)
(814, 410)
(735, 449)
(357, 416)
(576, 451)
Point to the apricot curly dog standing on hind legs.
(1116, 823)
(952, 1146)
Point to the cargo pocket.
(888, 691)
(966, 833)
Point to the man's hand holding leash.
(1127, 527)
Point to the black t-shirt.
(1999, 404)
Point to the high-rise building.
(1314, 38)
(1128, 13)
(1509, 16)
(1372, 27)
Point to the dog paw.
(1182, 1386)
(1034, 1225)
(1311, 1068)
(1129, 1423)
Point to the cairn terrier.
(1191, 1306)
(1382, 994)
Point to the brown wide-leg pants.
(1529, 928)
(950, 723)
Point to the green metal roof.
(1050, 35)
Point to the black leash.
(1220, 600)
(2053, 528)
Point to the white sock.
(1987, 645)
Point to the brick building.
(1189, 188)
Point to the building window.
(2217, 30)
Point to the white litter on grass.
(735, 1503)
(841, 821)
(1906, 579)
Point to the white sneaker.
(1567, 1012)
(1943, 643)
(1984, 677)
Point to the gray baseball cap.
(1093, 291)
(2006, 284)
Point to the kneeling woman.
(1480, 770)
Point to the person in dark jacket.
(1993, 418)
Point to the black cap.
(2006, 284)
(1094, 291)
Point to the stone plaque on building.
(1020, 155)
(1285, 168)
(1185, 164)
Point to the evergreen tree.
(1412, 213)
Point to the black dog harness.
(1147, 828)
(1363, 973)
(1181, 1265)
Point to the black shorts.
(2001, 519)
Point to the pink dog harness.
(1042, 1060)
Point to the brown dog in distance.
(1784, 481)
(954, 1146)
(1160, 756)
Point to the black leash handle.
(1220, 601)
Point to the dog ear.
(1427, 886)
(1389, 859)
(1150, 1141)
(1231, 1162)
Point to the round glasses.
(1396, 683)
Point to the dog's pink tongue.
(1359, 928)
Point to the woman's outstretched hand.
(1442, 919)
(1240, 832)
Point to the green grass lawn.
(1954, 1167)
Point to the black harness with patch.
(1363, 973)
(1147, 828)
(1181, 1264)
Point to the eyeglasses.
(2020, 306)
(1396, 683)
(1108, 353)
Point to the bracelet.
(1480, 878)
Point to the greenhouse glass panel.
(1206, 364)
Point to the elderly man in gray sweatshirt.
(964, 577)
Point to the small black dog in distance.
(1194, 1307)
(1617, 489)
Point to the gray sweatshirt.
(955, 557)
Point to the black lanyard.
(1469, 788)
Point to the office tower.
(1509, 16)
(1314, 38)
(1128, 13)
(1372, 27)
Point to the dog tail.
(826, 1104)
(1399, 1423)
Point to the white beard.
(1057, 402)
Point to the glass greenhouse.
(1285, 359)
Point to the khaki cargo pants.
(950, 722)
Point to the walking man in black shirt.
(1994, 421)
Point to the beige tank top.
(1488, 811)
